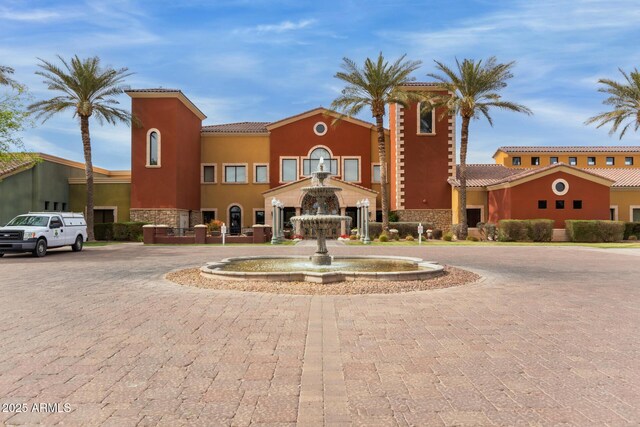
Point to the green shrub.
(437, 234)
(594, 231)
(472, 239)
(409, 238)
(383, 238)
(404, 228)
(540, 230)
(631, 229)
(124, 231)
(393, 217)
(633, 237)
(512, 230)
(103, 231)
(448, 236)
(353, 237)
(488, 231)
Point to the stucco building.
(185, 173)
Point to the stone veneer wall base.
(439, 218)
(169, 217)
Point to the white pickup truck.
(36, 231)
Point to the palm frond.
(625, 102)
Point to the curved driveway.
(549, 337)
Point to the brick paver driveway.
(550, 337)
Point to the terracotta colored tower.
(422, 160)
(165, 155)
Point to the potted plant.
(214, 227)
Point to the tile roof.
(12, 162)
(421, 84)
(157, 90)
(482, 175)
(570, 149)
(627, 177)
(240, 127)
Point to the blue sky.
(262, 60)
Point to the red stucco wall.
(521, 201)
(297, 138)
(176, 184)
(426, 164)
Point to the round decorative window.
(560, 187)
(320, 128)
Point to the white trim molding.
(253, 220)
(203, 210)
(228, 216)
(558, 192)
(326, 128)
(246, 173)
(215, 173)
(147, 143)
(255, 166)
(298, 165)
(615, 212)
(481, 207)
(373, 165)
(433, 121)
(359, 159)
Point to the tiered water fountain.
(320, 267)
(321, 221)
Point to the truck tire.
(77, 246)
(41, 248)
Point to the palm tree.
(4, 76)
(376, 85)
(472, 90)
(88, 90)
(625, 99)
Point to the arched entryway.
(235, 219)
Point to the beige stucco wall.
(475, 198)
(624, 199)
(221, 149)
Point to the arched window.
(311, 164)
(153, 148)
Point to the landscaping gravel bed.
(450, 277)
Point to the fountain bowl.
(342, 268)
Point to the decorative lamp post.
(367, 241)
(274, 230)
(281, 224)
(420, 231)
(223, 231)
(358, 220)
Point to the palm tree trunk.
(88, 168)
(462, 193)
(382, 154)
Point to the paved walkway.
(550, 337)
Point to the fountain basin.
(300, 269)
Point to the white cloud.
(284, 26)
(32, 15)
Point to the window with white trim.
(351, 170)
(261, 174)
(376, 177)
(425, 120)
(208, 174)
(235, 173)
(153, 148)
(311, 164)
(289, 170)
